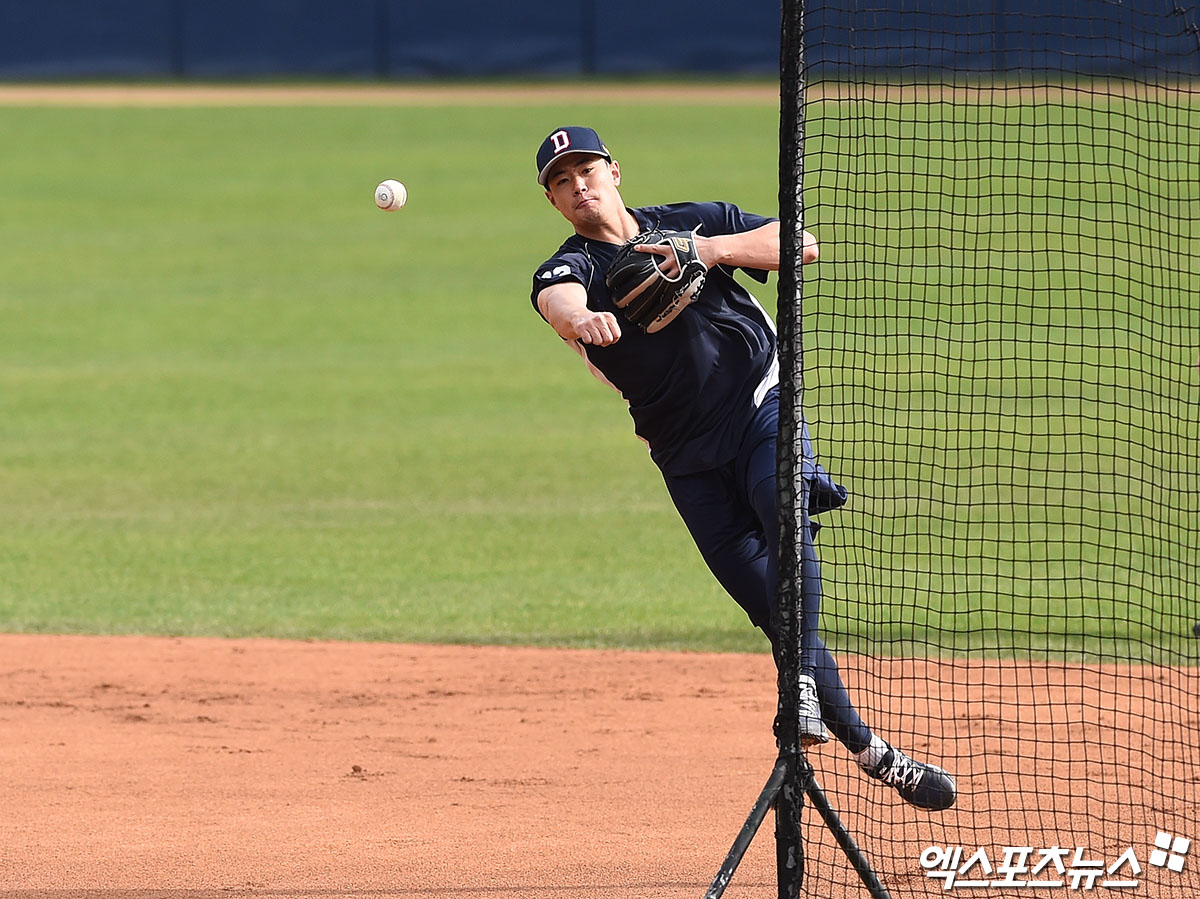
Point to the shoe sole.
(819, 738)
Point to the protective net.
(999, 362)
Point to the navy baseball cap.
(565, 141)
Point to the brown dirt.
(208, 768)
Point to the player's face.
(584, 189)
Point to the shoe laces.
(903, 771)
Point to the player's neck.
(617, 229)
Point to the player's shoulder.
(575, 245)
(571, 261)
(710, 217)
(675, 215)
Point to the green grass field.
(1007, 365)
(236, 399)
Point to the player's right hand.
(597, 328)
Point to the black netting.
(1000, 347)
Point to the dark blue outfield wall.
(432, 38)
(381, 38)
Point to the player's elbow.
(809, 250)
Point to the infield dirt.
(160, 767)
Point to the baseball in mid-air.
(390, 195)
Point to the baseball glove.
(645, 295)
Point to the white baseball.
(390, 195)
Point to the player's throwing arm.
(565, 307)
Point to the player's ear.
(550, 197)
(615, 168)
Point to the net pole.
(793, 776)
(798, 778)
(789, 848)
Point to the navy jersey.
(692, 387)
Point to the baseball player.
(647, 297)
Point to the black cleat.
(918, 783)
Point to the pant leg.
(837, 709)
(726, 531)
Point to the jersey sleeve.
(562, 266)
(737, 220)
(725, 218)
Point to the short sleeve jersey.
(692, 387)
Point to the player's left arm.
(754, 249)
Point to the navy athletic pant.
(732, 514)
